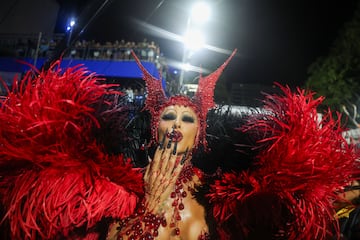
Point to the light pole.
(193, 38)
(184, 57)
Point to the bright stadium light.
(72, 23)
(69, 29)
(194, 39)
(200, 12)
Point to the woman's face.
(180, 122)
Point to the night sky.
(276, 39)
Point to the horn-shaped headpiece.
(201, 103)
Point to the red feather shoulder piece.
(289, 191)
(54, 177)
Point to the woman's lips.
(175, 135)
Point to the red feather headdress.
(201, 103)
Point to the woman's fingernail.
(184, 157)
(169, 143)
(175, 148)
(161, 145)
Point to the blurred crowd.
(31, 46)
(117, 50)
(134, 96)
(43, 46)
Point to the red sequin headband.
(201, 103)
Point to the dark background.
(276, 40)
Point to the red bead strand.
(146, 227)
(178, 195)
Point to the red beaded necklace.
(178, 194)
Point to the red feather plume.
(295, 179)
(54, 176)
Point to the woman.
(170, 180)
(178, 126)
(57, 182)
(277, 196)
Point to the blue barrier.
(107, 68)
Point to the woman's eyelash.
(168, 117)
(188, 119)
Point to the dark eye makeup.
(168, 116)
(172, 116)
(188, 119)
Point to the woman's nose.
(176, 123)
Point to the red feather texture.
(293, 183)
(54, 177)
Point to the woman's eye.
(168, 116)
(188, 119)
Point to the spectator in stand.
(127, 51)
(81, 49)
(116, 50)
(136, 94)
(142, 95)
(52, 47)
(91, 49)
(97, 51)
(151, 51)
(143, 49)
(108, 50)
(139, 97)
(121, 49)
(74, 52)
(130, 95)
